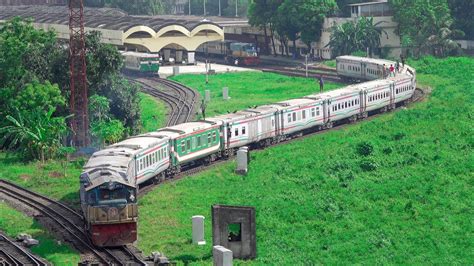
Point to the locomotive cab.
(110, 210)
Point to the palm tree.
(349, 37)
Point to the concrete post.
(175, 70)
(198, 230)
(225, 93)
(222, 256)
(191, 59)
(208, 95)
(242, 161)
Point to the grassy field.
(13, 222)
(394, 190)
(250, 88)
(153, 113)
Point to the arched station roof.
(152, 32)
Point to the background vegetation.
(34, 91)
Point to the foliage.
(37, 97)
(350, 37)
(428, 24)
(124, 102)
(312, 14)
(14, 222)
(319, 202)
(25, 53)
(146, 7)
(108, 131)
(37, 134)
(103, 61)
(463, 14)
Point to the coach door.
(363, 70)
(392, 92)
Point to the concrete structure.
(221, 256)
(242, 161)
(225, 93)
(198, 230)
(140, 33)
(233, 227)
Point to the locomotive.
(110, 180)
(234, 53)
(141, 63)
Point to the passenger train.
(109, 182)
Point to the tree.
(349, 37)
(311, 15)
(423, 19)
(37, 134)
(288, 23)
(139, 7)
(463, 14)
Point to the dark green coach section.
(196, 142)
(149, 65)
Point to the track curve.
(181, 100)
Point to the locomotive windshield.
(250, 49)
(104, 196)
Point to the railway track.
(13, 254)
(70, 224)
(418, 95)
(181, 99)
(313, 72)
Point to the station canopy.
(147, 33)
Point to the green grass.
(393, 190)
(330, 63)
(153, 114)
(13, 222)
(250, 88)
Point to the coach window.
(294, 116)
(304, 114)
(188, 144)
(198, 139)
(209, 137)
(289, 118)
(313, 114)
(243, 132)
(273, 122)
(183, 146)
(236, 132)
(214, 136)
(162, 154)
(317, 111)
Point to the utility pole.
(306, 64)
(189, 3)
(220, 14)
(204, 2)
(236, 10)
(78, 81)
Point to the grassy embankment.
(49, 179)
(393, 190)
(250, 89)
(13, 222)
(153, 114)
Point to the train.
(110, 180)
(234, 53)
(141, 63)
